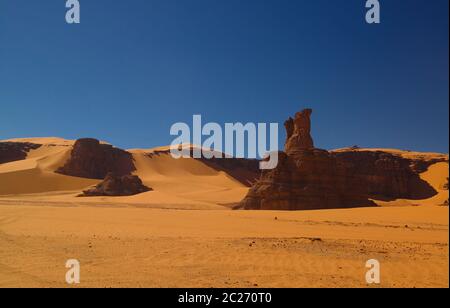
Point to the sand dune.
(43, 140)
(183, 183)
(36, 173)
(188, 179)
(437, 175)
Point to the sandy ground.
(183, 234)
(136, 247)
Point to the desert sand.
(183, 234)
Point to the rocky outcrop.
(310, 180)
(93, 160)
(114, 186)
(384, 176)
(14, 151)
(299, 132)
(307, 178)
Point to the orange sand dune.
(43, 140)
(55, 141)
(188, 179)
(437, 176)
(36, 173)
(182, 183)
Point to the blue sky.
(133, 68)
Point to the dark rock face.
(93, 160)
(113, 186)
(380, 175)
(299, 132)
(308, 178)
(14, 151)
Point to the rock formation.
(114, 185)
(307, 178)
(299, 132)
(93, 160)
(14, 151)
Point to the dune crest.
(36, 173)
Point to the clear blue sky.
(132, 68)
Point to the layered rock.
(14, 151)
(384, 176)
(115, 185)
(91, 159)
(299, 132)
(307, 178)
